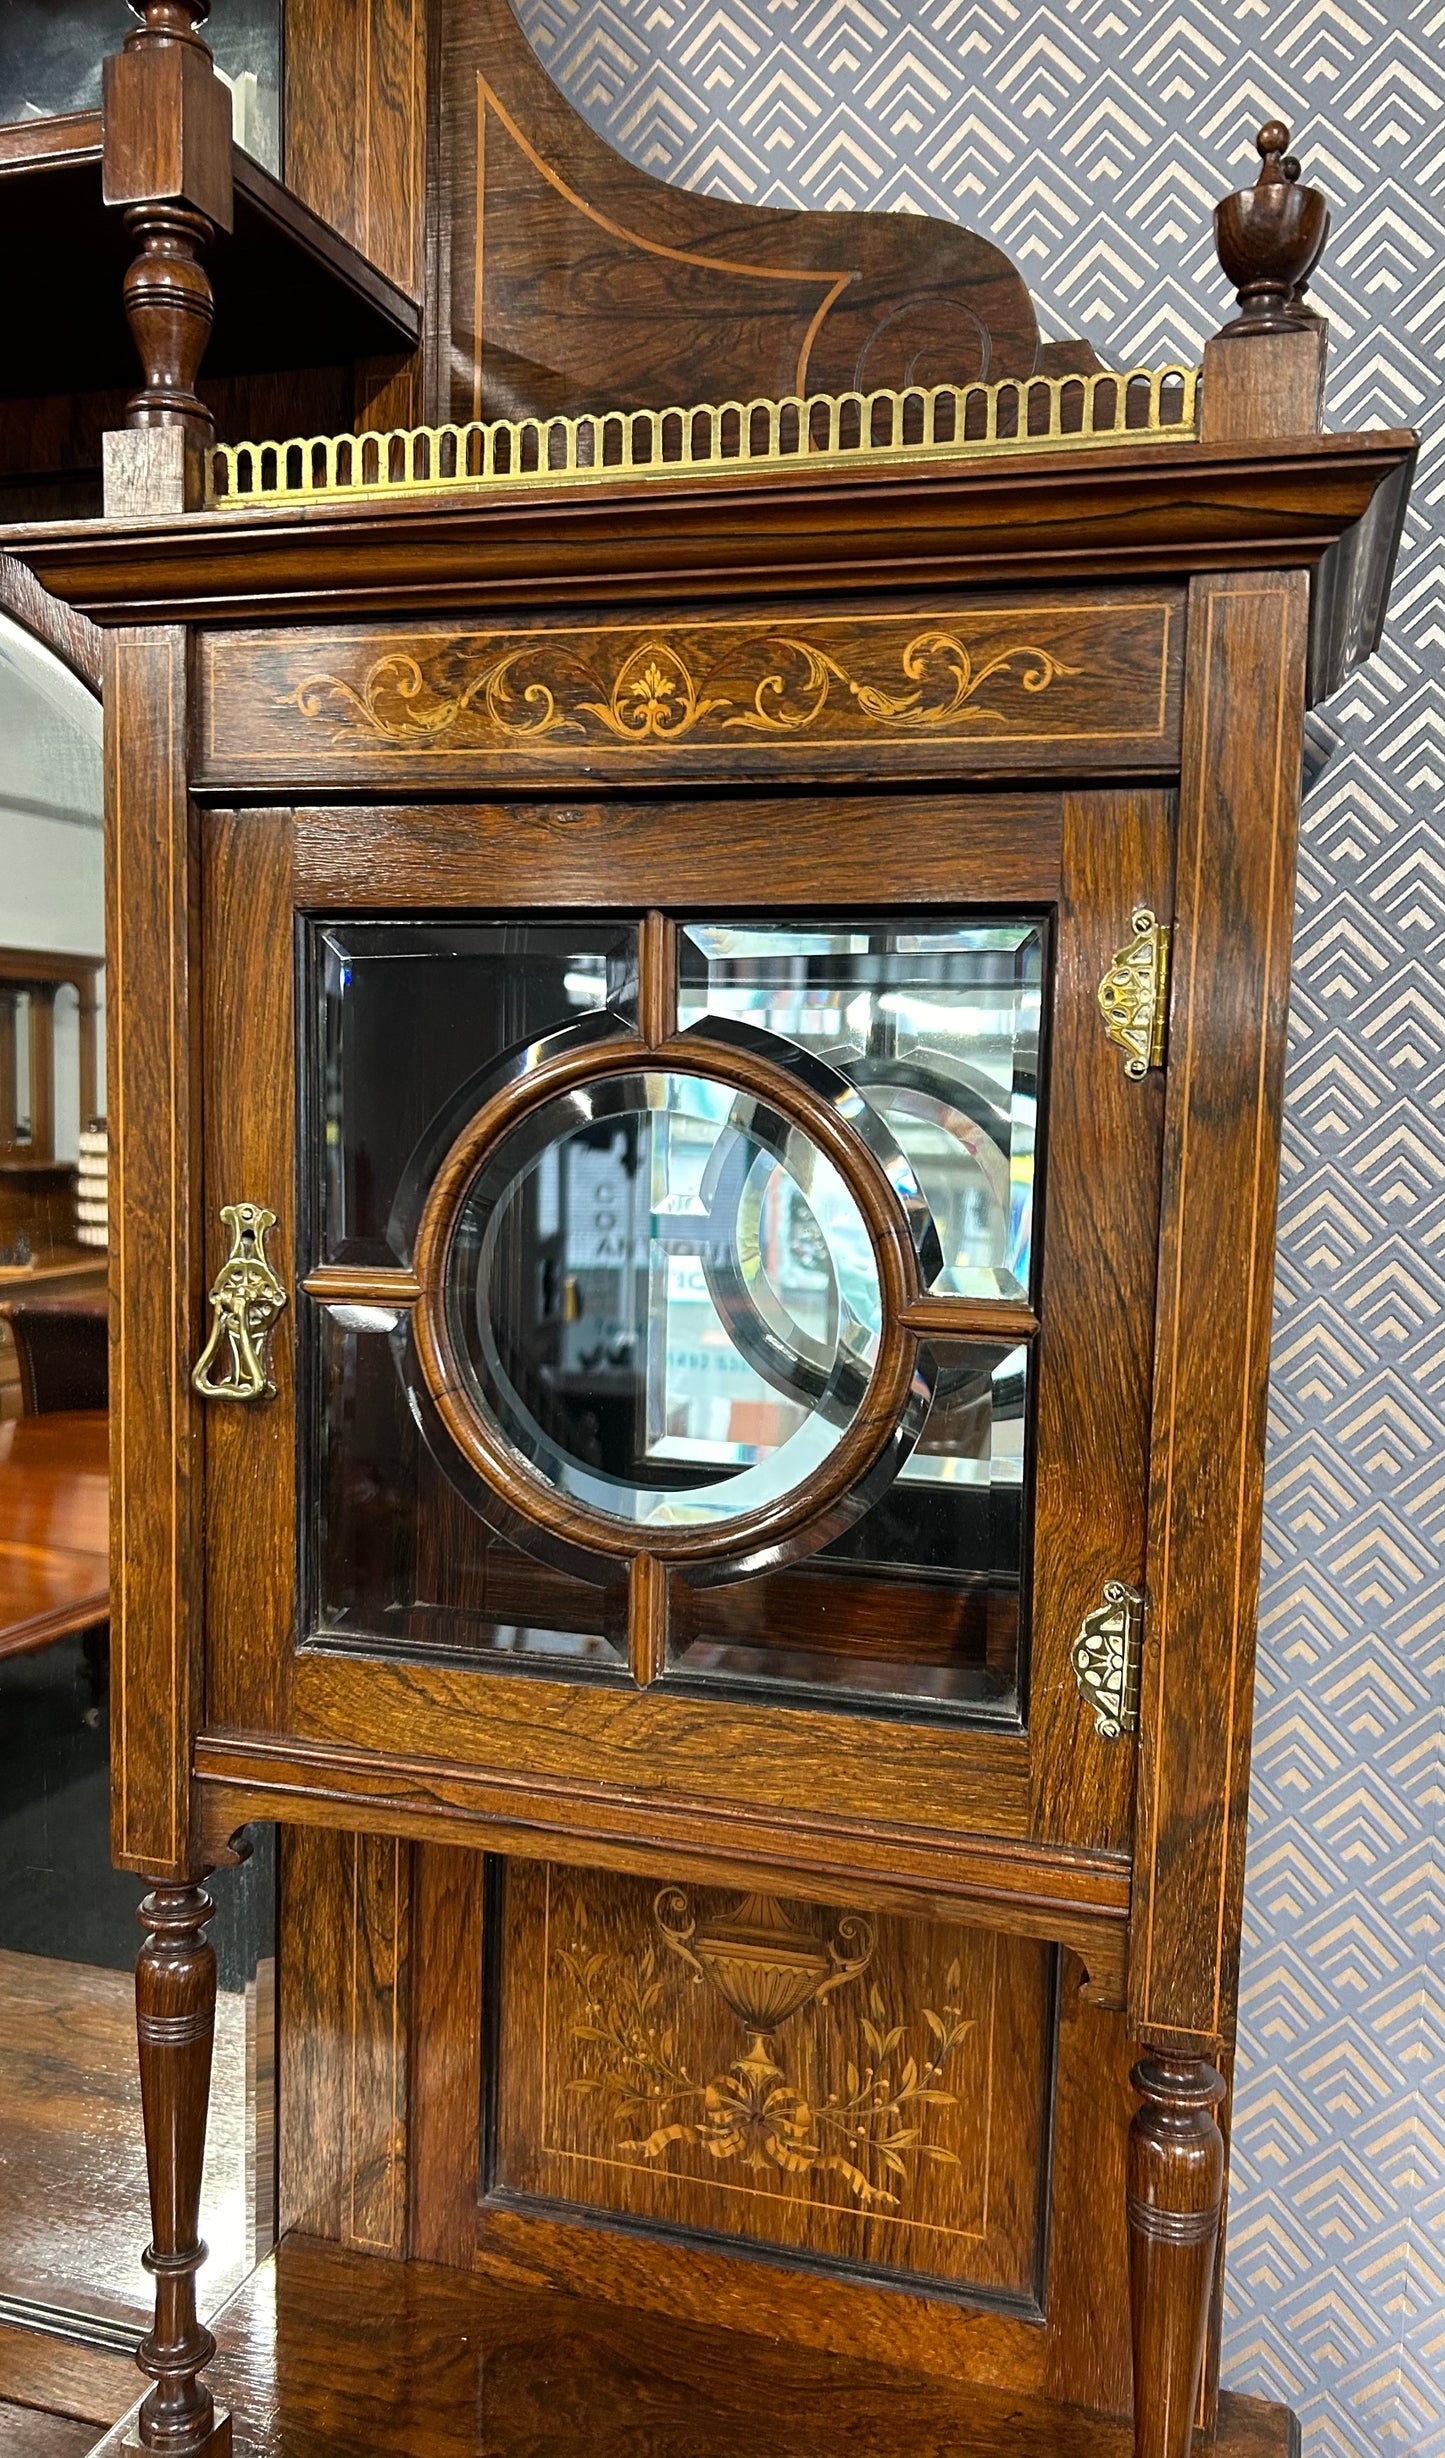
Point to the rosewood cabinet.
(697, 1038)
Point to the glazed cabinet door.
(691, 1274)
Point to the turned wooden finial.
(1270, 238)
(166, 152)
(168, 21)
(1264, 372)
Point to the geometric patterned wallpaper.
(1090, 139)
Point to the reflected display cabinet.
(698, 1009)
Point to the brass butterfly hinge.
(1106, 1659)
(1134, 994)
(246, 1298)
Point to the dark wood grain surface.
(327, 2354)
(445, 2050)
(248, 1148)
(576, 278)
(26, 2433)
(1102, 1157)
(344, 2001)
(651, 850)
(1080, 1899)
(54, 1527)
(356, 127)
(38, 2370)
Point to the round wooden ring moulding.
(814, 1510)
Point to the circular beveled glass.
(662, 1301)
(663, 1296)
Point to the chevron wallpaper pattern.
(1090, 138)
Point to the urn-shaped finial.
(1270, 238)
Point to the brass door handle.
(246, 1298)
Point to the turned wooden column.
(1176, 2188)
(166, 164)
(175, 1993)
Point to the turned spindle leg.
(170, 309)
(1176, 2184)
(175, 1992)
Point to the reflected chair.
(62, 1351)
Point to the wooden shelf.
(331, 2354)
(289, 291)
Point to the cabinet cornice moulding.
(1333, 501)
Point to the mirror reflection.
(72, 2161)
(665, 1298)
(938, 1029)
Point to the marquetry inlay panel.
(860, 2088)
(937, 686)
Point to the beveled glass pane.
(400, 1559)
(408, 1013)
(920, 1600)
(664, 1297)
(939, 1030)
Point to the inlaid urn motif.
(764, 1967)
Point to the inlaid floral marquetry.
(918, 689)
(774, 2071)
(871, 2132)
(779, 685)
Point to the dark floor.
(59, 1895)
(58, 1892)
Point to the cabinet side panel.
(1239, 798)
(345, 2000)
(356, 125)
(446, 2053)
(156, 1429)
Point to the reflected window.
(939, 1030)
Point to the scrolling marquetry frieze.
(775, 2072)
(655, 696)
(930, 688)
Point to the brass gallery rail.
(943, 422)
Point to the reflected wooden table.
(54, 1527)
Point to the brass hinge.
(1134, 994)
(1106, 1659)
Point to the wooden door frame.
(1041, 1843)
